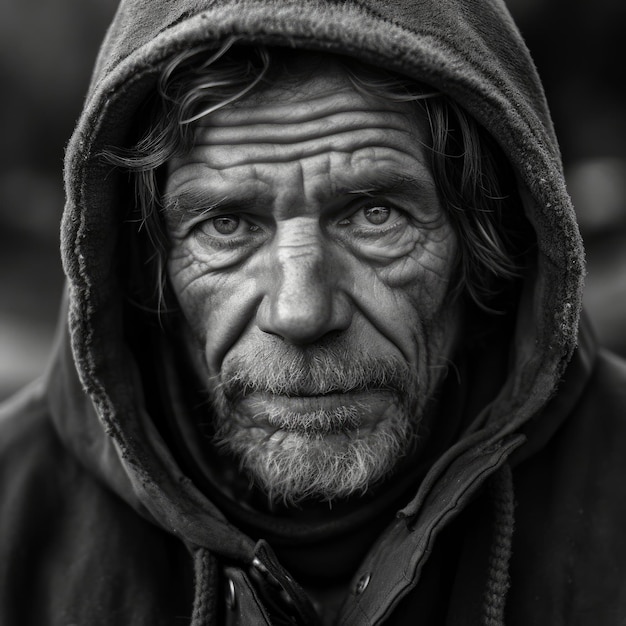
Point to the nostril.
(303, 320)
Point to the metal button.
(231, 596)
(362, 584)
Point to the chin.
(311, 462)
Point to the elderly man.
(321, 359)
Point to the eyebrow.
(387, 182)
(198, 201)
(194, 201)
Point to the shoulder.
(35, 470)
(71, 551)
(569, 559)
(595, 430)
(27, 437)
(609, 380)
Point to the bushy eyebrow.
(198, 201)
(193, 201)
(386, 182)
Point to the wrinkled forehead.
(303, 85)
(312, 109)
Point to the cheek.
(407, 302)
(421, 278)
(217, 306)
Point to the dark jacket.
(519, 519)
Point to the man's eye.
(376, 214)
(227, 225)
(369, 216)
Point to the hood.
(468, 50)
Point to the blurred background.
(47, 50)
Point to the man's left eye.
(376, 214)
(368, 216)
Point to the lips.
(322, 414)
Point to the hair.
(475, 183)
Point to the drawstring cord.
(205, 585)
(500, 552)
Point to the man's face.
(311, 259)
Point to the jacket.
(518, 520)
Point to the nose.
(304, 301)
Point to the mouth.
(317, 414)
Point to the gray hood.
(466, 49)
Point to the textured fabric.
(101, 522)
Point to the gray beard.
(324, 454)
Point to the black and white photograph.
(312, 312)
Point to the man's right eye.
(227, 226)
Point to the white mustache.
(313, 372)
